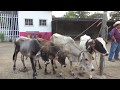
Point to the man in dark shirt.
(115, 44)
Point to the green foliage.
(70, 14)
(76, 14)
(1, 37)
(115, 15)
(96, 15)
(82, 14)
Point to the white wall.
(35, 15)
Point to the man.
(115, 44)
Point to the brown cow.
(53, 52)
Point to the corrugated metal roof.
(8, 12)
(76, 19)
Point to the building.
(25, 23)
(35, 23)
(73, 27)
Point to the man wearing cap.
(115, 44)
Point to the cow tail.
(15, 49)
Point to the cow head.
(61, 56)
(100, 46)
(90, 45)
(86, 61)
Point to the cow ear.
(106, 42)
(92, 58)
(66, 53)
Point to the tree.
(70, 14)
(82, 14)
(96, 15)
(115, 15)
(76, 14)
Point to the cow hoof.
(34, 77)
(40, 67)
(46, 73)
(90, 78)
(72, 73)
(77, 78)
(14, 68)
(54, 72)
(36, 74)
(81, 74)
(59, 75)
(55, 67)
(25, 70)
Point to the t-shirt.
(116, 34)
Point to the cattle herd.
(58, 48)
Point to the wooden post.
(104, 33)
(12, 27)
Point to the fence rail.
(9, 26)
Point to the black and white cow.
(97, 45)
(73, 52)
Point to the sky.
(61, 13)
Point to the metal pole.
(104, 30)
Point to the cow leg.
(33, 67)
(15, 58)
(46, 72)
(39, 65)
(52, 62)
(62, 72)
(35, 62)
(71, 69)
(55, 66)
(24, 67)
(82, 70)
(90, 75)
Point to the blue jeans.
(114, 50)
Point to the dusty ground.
(111, 69)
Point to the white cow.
(74, 54)
(93, 45)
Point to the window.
(28, 21)
(42, 22)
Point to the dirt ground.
(111, 69)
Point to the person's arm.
(112, 34)
(113, 38)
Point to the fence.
(9, 26)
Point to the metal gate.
(9, 26)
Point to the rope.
(87, 29)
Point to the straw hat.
(116, 23)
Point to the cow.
(52, 52)
(28, 48)
(47, 51)
(73, 52)
(93, 45)
(18, 41)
